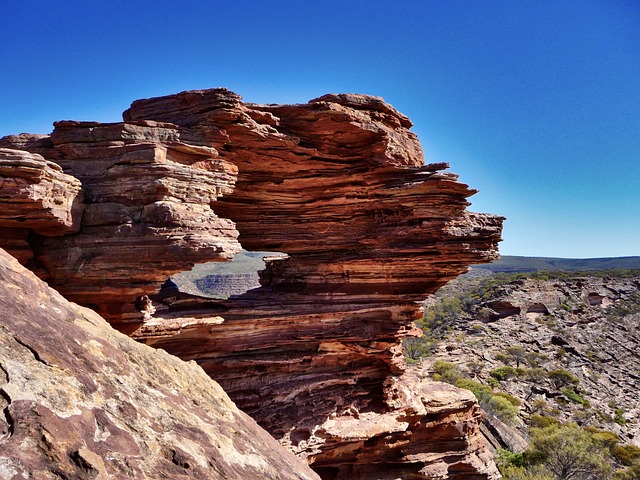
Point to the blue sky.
(534, 103)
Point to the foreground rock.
(80, 400)
(341, 187)
(431, 430)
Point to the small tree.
(517, 353)
(570, 453)
(562, 378)
(416, 348)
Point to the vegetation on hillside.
(572, 434)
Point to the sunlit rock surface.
(35, 196)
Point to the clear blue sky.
(534, 103)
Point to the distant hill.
(508, 263)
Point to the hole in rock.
(504, 309)
(538, 308)
(595, 299)
(221, 280)
(327, 473)
(299, 435)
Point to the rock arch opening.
(222, 280)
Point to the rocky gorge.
(562, 346)
(105, 213)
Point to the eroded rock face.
(80, 400)
(147, 212)
(42, 197)
(338, 184)
(36, 196)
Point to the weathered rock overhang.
(341, 186)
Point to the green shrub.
(631, 473)
(535, 472)
(562, 378)
(542, 421)
(604, 416)
(503, 373)
(618, 416)
(475, 367)
(501, 408)
(626, 454)
(565, 307)
(417, 348)
(571, 394)
(504, 358)
(515, 401)
(443, 314)
(505, 457)
(605, 437)
(502, 405)
(482, 392)
(569, 452)
(446, 372)
(539, 405)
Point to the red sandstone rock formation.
(340, 185)
(82, 401)
(36, 196)
(147, 212)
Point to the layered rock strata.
(80, 400)
(340, 186)
(36, 197)
(147, 212)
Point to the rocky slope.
(525, 334)
(80, 400)
(340, 186)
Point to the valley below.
(540, 350)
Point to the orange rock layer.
(314, 355)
